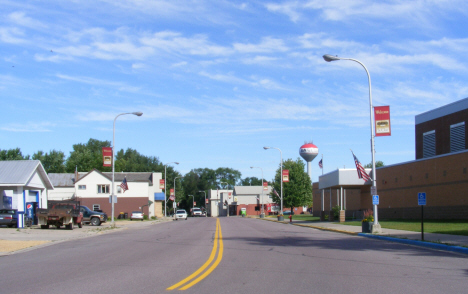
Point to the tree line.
(88, 156)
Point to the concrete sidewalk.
(437, 241)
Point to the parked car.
(288, 212)
(9, 217)
(196, 211)
(94, 218)
(136, 215)
(181, 213)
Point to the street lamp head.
(251, 167)
(266, 148)
(137, 113)
(176, 162)
(329, 57)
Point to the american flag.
(124, 185)
(360, 169)
(276, 193)
(321, 163)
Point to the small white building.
(24, 186)
(249, 197)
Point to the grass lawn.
(430, 226)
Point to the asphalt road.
(246, 256)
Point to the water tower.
(308, 151)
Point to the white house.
(93, 190)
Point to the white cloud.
(30, 127)
(174, 42)
(12, 36)
(267, 45)
(20, 18)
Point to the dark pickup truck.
(60, 213)
(94, 218)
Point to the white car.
(181, 213)
(136, 215)
(196, 211)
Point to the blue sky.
(218, 80)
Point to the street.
(254, 256)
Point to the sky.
(219, 80)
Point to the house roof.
(118, 177)
(64, 180)
(20, 172)
(250, 190)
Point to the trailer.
(60, 213)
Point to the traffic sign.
(375, 199)
(422, 198)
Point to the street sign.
(422, 198)
(373, 190)
(375, 199)
(174, 205)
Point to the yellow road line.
(218, 237)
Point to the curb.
(436, 246)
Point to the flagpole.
(323, 193)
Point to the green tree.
(298, 191)
(132, 161)
(227, 175)
(87, 156)
(12, 154)
(53, 162)
(377, 164)
(199, 179)
(251, 181)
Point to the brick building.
(440, 170)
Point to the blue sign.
(375, 199)
(159, 197)
(422, 198)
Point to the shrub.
(368, 216)
(336, 211)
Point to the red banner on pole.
(285, 175)
(161, 184)
(107, 156)
(265, 186)
(382, 121)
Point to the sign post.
(422, 202)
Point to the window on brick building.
(429, 149)
(457, 137)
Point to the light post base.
(376, 229)
(262, 215)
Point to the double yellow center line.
(199, 275)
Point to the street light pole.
(329, 58)
(193, 200)
(227, 201)
(262, 213)
(113, 164)
(205, 203)
(175, 193)
(281, 173)
(165, 187)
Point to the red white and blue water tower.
(308, 151)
